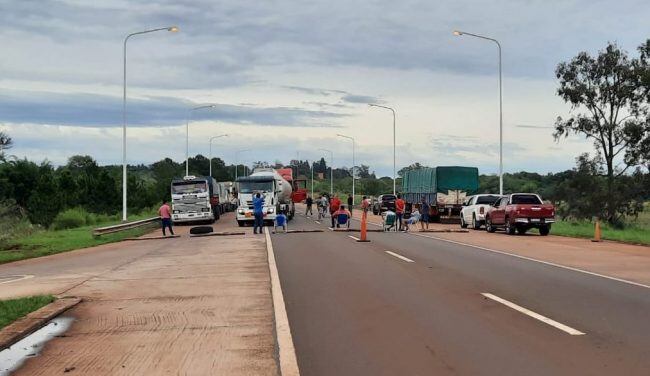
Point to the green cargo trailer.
(444, 188)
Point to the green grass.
(49, 242)
(637, 232)
(13, 309)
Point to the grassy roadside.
(48, 242)
(13, 309)
(583, 229)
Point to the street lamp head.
(458, 33)
(173, 29)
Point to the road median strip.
(33, 321)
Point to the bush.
(13, 222)
(72, 218)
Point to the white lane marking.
(287, 352)
(536, 260)
(529, 259)
(534, 315)
(353, 237)
(17, 278)
(399, 256)
(317, 222)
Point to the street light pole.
(187, 136)
(124, 203)
(394, 159)
(237, 161)
(459, 33)
(331, 171)
(213, 138)
(353, 164)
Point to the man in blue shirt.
(258, 212)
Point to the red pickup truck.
(520, 212)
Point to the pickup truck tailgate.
(535, 211)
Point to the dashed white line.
(534, 315)
(16, 278)
(353, 237)
(399, 256)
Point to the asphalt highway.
(406, 304)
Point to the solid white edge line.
(353, 237)
(638, 284)
(534, 315)
(399, 256)
(22, 277)
(286, 351)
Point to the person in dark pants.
(400, 205)
(258, 212)
(309, 201)
(166, 218)
(350, 204)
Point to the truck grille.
(189, 205)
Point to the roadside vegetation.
(13, 309)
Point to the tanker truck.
(275, 190)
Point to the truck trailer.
(445, 188)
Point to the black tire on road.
(476, 225)
(545, 230)
(201, 230)
(488, 225)
(510, 229)
(240, 223)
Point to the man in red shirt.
(335, 204)
(399, 209)
(166, 217)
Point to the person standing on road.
(365, 204)
(258, 212)
(350, 203)
(309, 201)
(335, 204)
(424, 211)
(399, 209)
(166, 217)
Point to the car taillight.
(482, 210)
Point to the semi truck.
(274, 188)
(298, 186)
(445, 188)
(195, 199)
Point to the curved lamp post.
(187, 135)
(172, 29)
(394, 169)
(460, 33)
(211, 139)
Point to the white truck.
(194, 199)
(275, 190)
(474, 210)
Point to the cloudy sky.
(287, 76)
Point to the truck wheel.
(510, 229)
(521, 230)
(462, 222)
(488, 225)
(476, 225)
(240, 223)
(544, 230)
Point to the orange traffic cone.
(596, 232)
(364, 227)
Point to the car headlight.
(176, 211)
(271, 210)
(240, 211)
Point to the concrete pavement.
(372, 313)
(179, 306)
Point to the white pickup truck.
(474, 210)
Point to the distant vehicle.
(275, 189)
(474, 210)
(224, 190)
(445, 188)
(520, 212)
(194, 199)
(383, 203)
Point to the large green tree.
(606, 94)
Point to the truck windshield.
(189, 187)
(487, 200)
(526, 200)
(255, 186)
